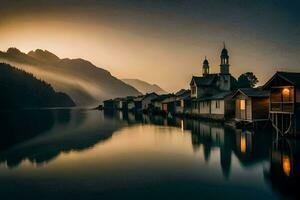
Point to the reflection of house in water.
(284, 171)
(250, 148)
(210, 136)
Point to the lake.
(90, 154)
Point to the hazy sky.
(159, 41)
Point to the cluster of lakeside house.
(216, 96)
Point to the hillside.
(84, 82)
(144, 87)
(20, 89)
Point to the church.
(211, 92)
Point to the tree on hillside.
(247, 80)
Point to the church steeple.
(224, 66)
(205, 67)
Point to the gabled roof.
(204, 80)
(162, 97)
(182, 92)
(141, 98)
(291, 77)
(252, 92)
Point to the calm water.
(81, 154)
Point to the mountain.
(144, 87)
(20, 89)
(84, 82)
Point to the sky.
(159, 41)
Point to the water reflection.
(111, 151)
(250, 148)
(41, 135)
(284, 171)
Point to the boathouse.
(109, 104)
(183, 102)
(143, 102)
(219, 106)
(157, 102)
(251, 104)
(284, 107)
(169, 104)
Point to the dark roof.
(204, 80)
(183, 93)
(162, 97)
(252, 92)
(141, 98)
(220, 95)
(292, 77)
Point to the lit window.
(285, 92)
(243, 104)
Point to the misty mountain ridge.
(20, 89)
(144, 87)
(84, 82)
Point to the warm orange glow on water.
(286, 165)
(243, 143)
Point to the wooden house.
(157, 102)
(222, 106)
(109, 104)
(251, 104)
(183, 102)
(119, 103)
(219, 106)
(284, 104)
(169, 104)
(130, 104)
(143, 102)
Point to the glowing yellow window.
(243, 104)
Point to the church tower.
(224, 76)
(205, 67)
(224, 66)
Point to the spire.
(224, 60)
(205, 67)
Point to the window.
(286, 95)
(217, 103)
(243, 104)
(193, 90)
(182, 103)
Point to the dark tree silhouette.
(20, 89)
(247, 80)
